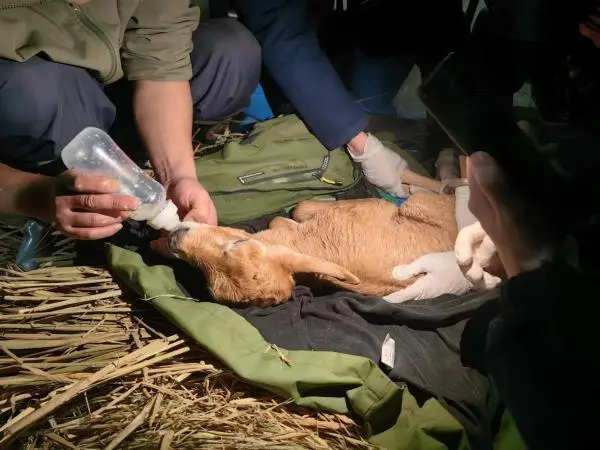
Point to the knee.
(227, 66)
(29, 96)
(233, 46)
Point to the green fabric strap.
(330, 381)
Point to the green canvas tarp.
(329, 381)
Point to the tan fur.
(354, 244)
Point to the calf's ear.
(299, 263)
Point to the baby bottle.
(93, 151)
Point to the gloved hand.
(474, 251)
(455, 272)
(442, 275)
(382, 166)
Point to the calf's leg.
(279, 223)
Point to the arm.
(163, 112)
(156, 56)
(26, 194)
(80, 206)
(292, 54)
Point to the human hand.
(381, 166)
(494, 206)
(441, 275)
(86, 206)
(194, 204)
(192, 200)
(477, 257)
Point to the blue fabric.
(259, 108)
(375, 82)
(291, 52)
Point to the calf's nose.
(176, 237)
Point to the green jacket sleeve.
(158, 41)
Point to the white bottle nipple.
(166, 219)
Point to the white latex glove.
(463, 215)
(442, 276)
(382, 166)
(473, 251)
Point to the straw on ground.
(84, 367)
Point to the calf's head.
(241, 269)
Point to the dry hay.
(83, 367)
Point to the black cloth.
(43, 104)
(427, 336)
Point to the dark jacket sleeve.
(292, 54)
(540, 354)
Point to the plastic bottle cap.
(167, 218)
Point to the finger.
(91, 233)
(486, 171)
(481, 201)
(413, 292)
(104, 202)
(490, 281)
(91, 220)
(212, 217)
(112, 213)
(474, 273)
(208, 216)
(161, 247)
(88, 183)
(407, 271)
(485, 252)
(487, 282)
(467, 238)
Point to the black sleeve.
(540, 354)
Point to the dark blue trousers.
(43, 104)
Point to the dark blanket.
(427, 337)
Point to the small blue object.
(391, 198)
(259, 108)
(33, 243)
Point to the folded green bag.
(279, 164)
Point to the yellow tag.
(328, 181)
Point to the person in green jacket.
(60, 64)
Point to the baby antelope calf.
(352, 244)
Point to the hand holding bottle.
(194, 204)
(86, 206)
(192, 200)
(105, 187)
